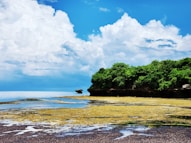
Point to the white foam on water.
(125, 133)
(147, 135)
(141, 128)
(29, 129)
(79, 130)
(9, 123)
(133, 130)
(73, 130)
(61, 131)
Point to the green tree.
(101, 79)
(118, 73)
(158, 75)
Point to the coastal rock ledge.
(171, 93)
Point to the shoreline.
(163, 134)
(92, 122)
(113, 110)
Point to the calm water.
(39, 100)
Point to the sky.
(56, 45)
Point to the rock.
(79, 91)
(186, 86)
(133, 87)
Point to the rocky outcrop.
(79, 91)
(173, 93)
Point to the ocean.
(15, 100)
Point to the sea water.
(11, 100)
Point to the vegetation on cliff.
(158, 75)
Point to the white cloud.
(104, 9)
(90, 2)
(120, 10)
(43, 1)
(36, 40)
(128, 41)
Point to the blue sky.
(59, 44)
(88, 15)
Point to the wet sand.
(159, 135)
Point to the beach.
(162, 134)
(98, 120)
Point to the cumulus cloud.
(36, 40)
(128, 41)
(31, 36)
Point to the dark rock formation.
(79, 91)
(172, 93)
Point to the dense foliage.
(158, 75)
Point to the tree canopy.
(158, 75)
